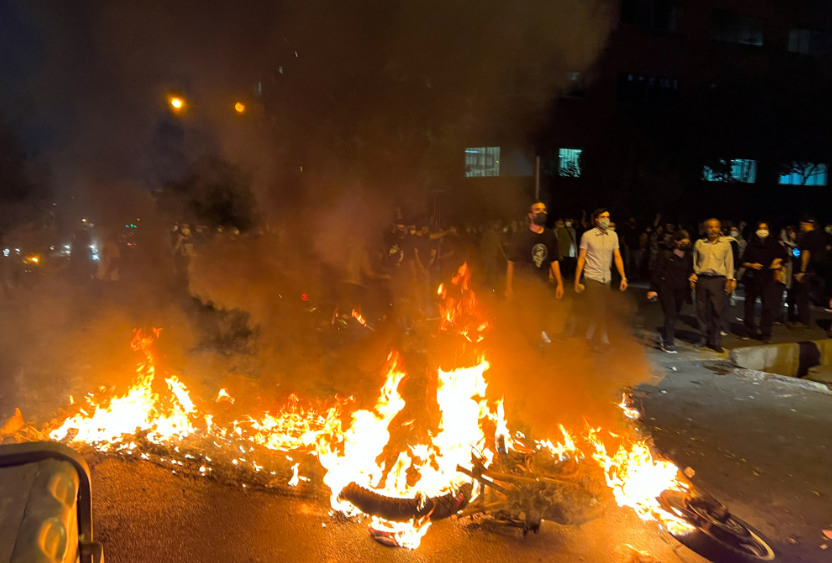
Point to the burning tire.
(719, 536)
(406, 509)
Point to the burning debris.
(373, 462)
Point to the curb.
(805, 384)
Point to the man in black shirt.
(533, 255)
(534, 252)
(812, 257)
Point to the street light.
(239, 107)
(176, 103)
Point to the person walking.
(763, 262)
(532, 258)
(713, 266)
(671, 283)
(599, 248)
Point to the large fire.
(353, 446)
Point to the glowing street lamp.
(239, 107)
(176, 103)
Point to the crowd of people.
(707, 265)
(530, 261)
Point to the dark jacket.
(672, 271)
(762, 252)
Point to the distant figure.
(671, 283)
(811, 269)
(713, 265)
(599, 249)
(183, 252)
(109, 261)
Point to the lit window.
(734, 28)
(570, 162)
(734, 170)
(809, 41)
(804, 174)
(482, 161)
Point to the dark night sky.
(85, 83)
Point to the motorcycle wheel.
(721, 538)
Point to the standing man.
(599, 247)
(535, 251)
(713, 276)
(533, 255)
(812, 254)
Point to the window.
(661, 15)
(642, 89)
(804, 174)
(735, 170)
(734, 28)
(482, 161)
(809, 41)
(570, 162)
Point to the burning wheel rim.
(725, 538)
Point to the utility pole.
(537, 177)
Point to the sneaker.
(669, 348)
(723, 333)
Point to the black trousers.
(802, 290)
(769, 293)
(710, 298)
(672, 301)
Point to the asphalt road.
(762, 448)
(146, 513)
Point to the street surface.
(146, 513)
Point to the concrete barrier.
(810, 359)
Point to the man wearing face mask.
(533, 255)
(670, 283)
(763, 260)
(599, 248)
(534, 252)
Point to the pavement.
(146, 513)
(763, 447)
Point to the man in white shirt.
(713, 267)
(599, 248)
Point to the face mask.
(568, 224)
(735, 234)
(540, 218)
(762, 233)
(828, 229)
(604, 223)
